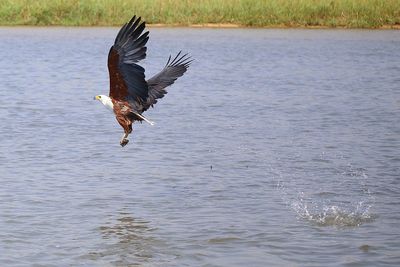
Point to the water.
(277, 148)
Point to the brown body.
(122, 114)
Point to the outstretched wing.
(172, 71)
(127, 80)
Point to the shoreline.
(279, 14)
(218, 26)
(238, 26)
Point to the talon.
(124, 142)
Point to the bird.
(130, 93)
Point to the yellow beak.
(97, 97)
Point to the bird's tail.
(144, 118)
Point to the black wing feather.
(130, 45)
(172, 71)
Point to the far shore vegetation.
(244, 13)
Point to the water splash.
(342, 201)
(334, 215)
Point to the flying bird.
(130, 93)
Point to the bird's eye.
(99, 96)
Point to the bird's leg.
(126, 124)
(124, 141)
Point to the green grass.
(258, 13)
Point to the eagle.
(130, 93)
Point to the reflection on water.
(129, 241)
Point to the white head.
(105, 100)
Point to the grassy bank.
(260, 13)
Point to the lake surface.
(276, 148)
